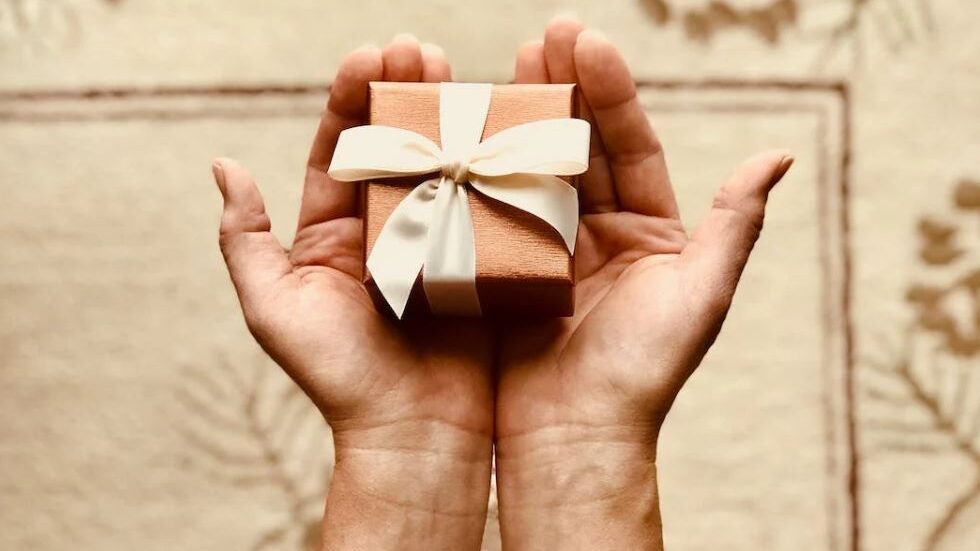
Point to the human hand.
(580, 401)
(410, 405)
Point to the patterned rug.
(839, 410)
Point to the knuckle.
(745, 211)
(250, 219)
(225, 238)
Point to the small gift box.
(469, 203)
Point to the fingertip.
(771, 156)
(530, 52)
(225, 161)
(348, 93)
(784, 165)
(531, 46)
(435, 64)
(226, 169)
(593, 44)
(432, 51)
(405, 38)
(402, 59)
(234, 180)
(358, 68)
(530, 66)
(563, 21)
(219, 174)
(361, 65)
(604, 77)
(230, 169)
(559, 48)
(367, 53)
(244, 206)
(769, 167)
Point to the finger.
(256, 261)
(597, 193)
(435, 65)
(559, 48)
(530, 67)
(596, 185)
(636, 159)
(403, 59)
(596, 188)
(720, 246)
(347, 106)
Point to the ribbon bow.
(431, 229)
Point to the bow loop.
(373, 152)
(559, 147)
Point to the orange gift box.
(522, 265)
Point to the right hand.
(410, 404)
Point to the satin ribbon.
(431, 230)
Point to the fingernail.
(782, 169)
(219, 175)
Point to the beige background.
(834, 413)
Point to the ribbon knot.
(431, 229)
(456, 169)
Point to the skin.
(580, 400)
(411, 406)
(573, 406)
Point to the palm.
(365, 362)
(625, 262)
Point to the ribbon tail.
(400, 250)
(548, 197)
(449, 272)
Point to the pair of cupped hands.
(570, 408)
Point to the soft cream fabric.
(138, 414)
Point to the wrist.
(579, 487)
(420, 483)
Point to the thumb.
(256, 261)
(721, 245)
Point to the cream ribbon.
(431, 229)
